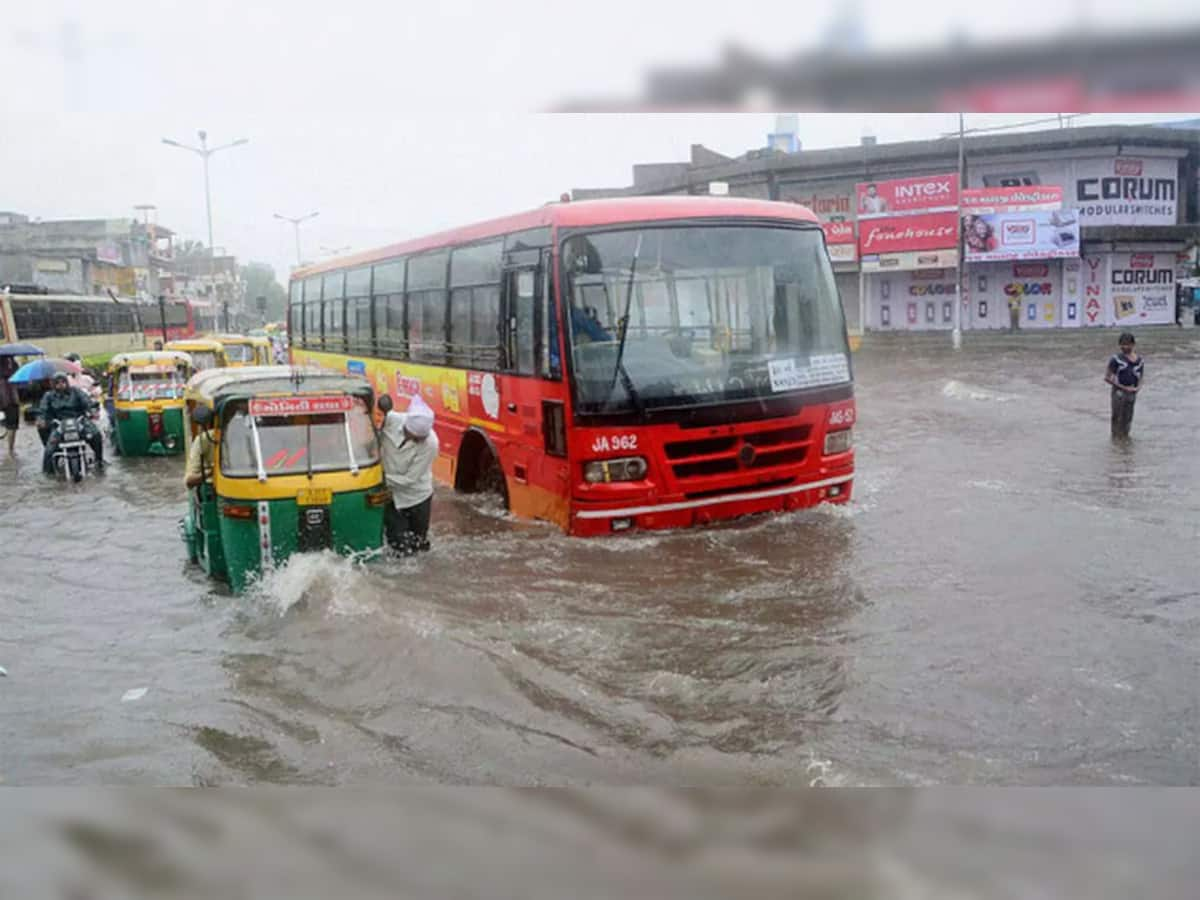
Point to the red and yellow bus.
(180, 317)
(607, 365)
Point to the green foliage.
(260, 281)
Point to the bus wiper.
(618, 367)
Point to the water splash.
(958, 390)
(321, 580)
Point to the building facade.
(1130, 191)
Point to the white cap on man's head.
(418, 420)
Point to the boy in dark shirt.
(1126, 374)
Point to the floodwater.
(1010, 598)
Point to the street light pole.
(296, 226)
(204, 152)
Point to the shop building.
(1131, 193)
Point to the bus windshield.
(295, 445)
(682, 315)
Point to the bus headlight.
(839, 441)
(627, 468)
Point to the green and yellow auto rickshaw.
(290, 463)
(145, 401)
(205, 352)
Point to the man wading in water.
(1126, 375)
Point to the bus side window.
(549, 364)
(520, 331)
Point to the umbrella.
(21, 350)
(41, 369)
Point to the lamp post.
(296, 225)
(204, 152)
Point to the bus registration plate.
(314, 497)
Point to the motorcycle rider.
(61, 403)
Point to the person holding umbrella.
(10, 402)
(10, 399)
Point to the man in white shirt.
(410, 446)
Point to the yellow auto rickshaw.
(206, 353)
(243, 350)
(145, 401)
(290, 464)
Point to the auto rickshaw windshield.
(134, 385)
(295, 445)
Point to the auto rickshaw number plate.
(314, 497)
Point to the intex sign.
(929, 191)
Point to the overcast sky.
(395, 120)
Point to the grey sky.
(341, 105)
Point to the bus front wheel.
(479, 471)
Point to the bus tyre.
(490, 477)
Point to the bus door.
(531, 407)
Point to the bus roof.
(215, 385)
(577, 214)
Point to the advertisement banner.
(905, 262)
(1142, 288)
(838, 232)
(300, 406)
(1126, 191)
(1012, 199)
(1094, 278)
(1130, 189)
(1034, 234)
(109, 252)
(912, 301)
(842, 253)
(1072, 293)
(831, 202)
(1033, 288)
(923, 231)
(907, 196)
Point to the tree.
(190, 248)
(259, 279)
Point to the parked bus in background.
(66, 323)
(180, 316)
(607, 365)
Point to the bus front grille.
(707, 458)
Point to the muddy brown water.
(1010, 598)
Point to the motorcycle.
(73, 457)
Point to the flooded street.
(1010, 599)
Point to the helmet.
(59, 376)
(73, 357)
(202, 416)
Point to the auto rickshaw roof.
(256, 340)
(195, 345)
(146, 358)
(214, 387)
